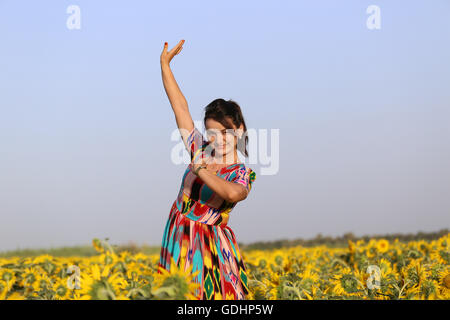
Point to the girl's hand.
(166, 56)
(195, 164)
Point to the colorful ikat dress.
(197, 235)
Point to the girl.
(196, 236)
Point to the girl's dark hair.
(223, 111)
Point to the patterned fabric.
(197, 235)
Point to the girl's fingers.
(164, 52)
(180, 44)
(174, 50)
(177, 51)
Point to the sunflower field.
(376, 269)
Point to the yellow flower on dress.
(229, 296)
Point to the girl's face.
(222, 140)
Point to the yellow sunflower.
(176, 283)
(382, 245)
(97, 244)
(30, 277)
(417, 272)
(3, 290)
(351, 246)
(444, 284)
(385, 267)
(43, 281)
(274, 277)
(99, 284)
(8, 277)
(345, 283)
(15, 296)
(61, 290)
(42, 258)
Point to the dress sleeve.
(245, 176)
(194, 143)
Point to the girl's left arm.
(230, 191)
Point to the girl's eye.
(215, 133)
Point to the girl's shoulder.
(242, 171)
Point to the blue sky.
(85, 124)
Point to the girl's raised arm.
(176, 97)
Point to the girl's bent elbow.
(237, 196)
